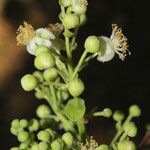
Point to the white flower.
(117, 43)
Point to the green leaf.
(75, 109)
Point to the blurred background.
(115, 84)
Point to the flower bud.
(24, 145)
(15, 148)
(79, 9)
(41, 49)
(126, 145)
(76, 87)
(43, 146)
(44, 136)
(38, 76)
(92, 44)
(28, 82)
(83, 19)
(130, 129)
(102, 147)
(44, 61)
(118, 116)
(70, 21)
(33, 125)
(43, 111)
(68, 139)
(107, 112)
(35, 146)
(65, 3)
(23, 136)
(23, 123)
(50, 75)
(135, 111)
(15, 124)
(56, 145)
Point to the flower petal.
(44, 33)
(31, 47)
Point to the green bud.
(56, 145)
(118, 116)
(23, 123)
(35, 146)
(65, 95)
(14, 131)
(70, 21)
(126, 145)
(28, 82)
(79, 9)
(14, 148)
(135, 111)
(44, 61)
(92, 44)
(130, 129)
(76, 87)
(68, 139)
(43, 146)
(102, 147)
(43, 111)
(44, 136)
(38, 95)
(38, 75)
(15, 124)
(41, 49)
(33, 125)
(65, 3)
(23, 136)
(107, 112)
(83, 19)
(50, 75)
(24, 145)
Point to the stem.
(81, 129)
(74, 37)
(79, 64)
(119, 132)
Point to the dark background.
(115, 84)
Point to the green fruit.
(118, 116)
(44, 136)
(126, 145)
(92, 44)
(43, 111)
(68, 139)
(23, 136)
(50, 75)
(41, 49)
(28, 82)
(44, 60)
(76, 87)
(70, 21)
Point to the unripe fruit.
(126, 145)
(92, 44)
(44, 61)
(41, 49)
(68, 139)
(76, 87)
(23, 136)
(56, 145)
(135, 111)
(130, 129)
(43, 146)
(28, 82)
(50, 74)
(44, 136)
(43, 111)
(70, 21)
(102, 147)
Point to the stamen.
(25, 34)
(119, 42)
(56, 28)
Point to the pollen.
(25, 34)
(120, 42)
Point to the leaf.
(75, 109)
